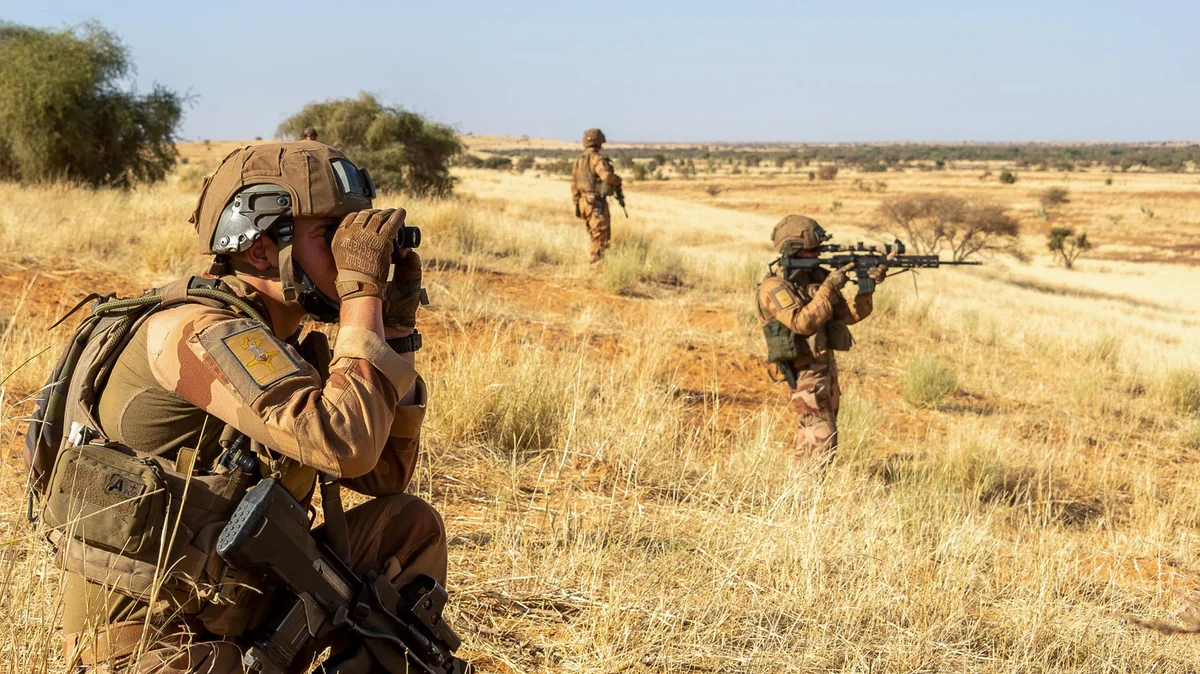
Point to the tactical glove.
(878, 273)
(362, 251)
(404, 294)
(837, 279)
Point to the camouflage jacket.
(806, 306)
(192, 369)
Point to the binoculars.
(407, 237)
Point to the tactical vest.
(785, 346)
(586, 180)
(120, 517)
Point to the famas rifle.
(400, 630)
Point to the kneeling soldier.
(185, 405)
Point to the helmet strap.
(286, 271)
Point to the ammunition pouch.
(783, 345)
(837, 336)
(108, 499)
(131, 522)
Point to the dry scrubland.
(1018, 461)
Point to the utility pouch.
(838, 336)
(783, 345)
(105, 497)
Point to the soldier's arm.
(782, 303)
(603, 167)
(398, 460)
(859, 309)
(234, 369)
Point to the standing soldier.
(592, 181)
(804, 319)
(310, 133)
(206, 387)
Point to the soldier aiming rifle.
(805, 318)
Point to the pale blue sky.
(679, 71)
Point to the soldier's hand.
(403, 295)
(362, 251)
(838, 279)
(878, 273)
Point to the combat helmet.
(796, 233)
(260, 189)
(593, 138)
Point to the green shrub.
(1054, 196)
(524, 164)
(1180, 391)
(469, 161)
(65, 115)
(635, 259)
(560, 167)
(1068, 245)
(498, 163)
(640, 172)
(927, 381)
(1008, 177)
(401, 149)
(622, 269)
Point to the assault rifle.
(864, 258)
(619, 193)
(401, 630)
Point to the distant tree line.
(1162, 157)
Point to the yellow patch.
(783, 298)
(262, 356)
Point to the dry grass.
(612, 467)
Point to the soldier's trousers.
(815, 400)
(401, 535)
(594, 211)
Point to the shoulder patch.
(247, 355)
(262, 356)
(783, 298)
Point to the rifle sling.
(337, 531)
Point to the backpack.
(115, 515)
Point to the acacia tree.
(1068, 246)
(931, 223)
(67, 112)
(401, 149)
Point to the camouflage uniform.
(592, 180)
(818, 313)
(190, 371)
